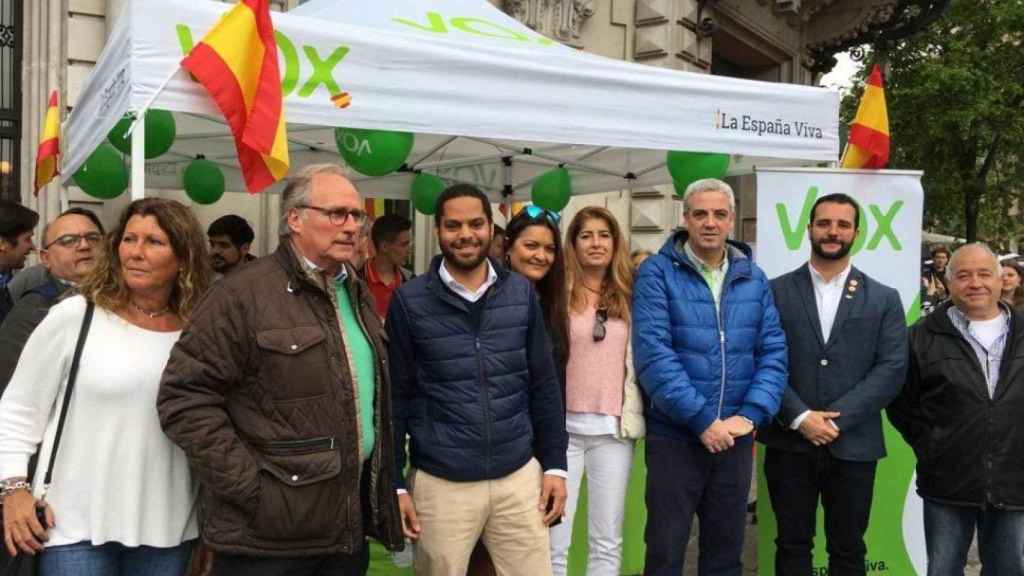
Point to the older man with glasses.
(278, 392)
(71, 245)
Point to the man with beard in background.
(476, 391)
(230, 241)
(847, 360)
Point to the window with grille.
(10, 99)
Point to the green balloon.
(688, 167)
(203, 181)
(373, 152)
(160, 132)
(103, 174)
(552, 189)
(425, 190)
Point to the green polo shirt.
(361, 362)
(714, 276)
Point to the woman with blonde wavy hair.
(604, 413)
(122, 500)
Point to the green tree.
(955, 95)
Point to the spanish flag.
(868, 145)
(49, 145)
(237, 64)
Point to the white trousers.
(607, 462)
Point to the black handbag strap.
(82, 334)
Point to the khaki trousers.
(453, 515)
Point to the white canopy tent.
(491, 102)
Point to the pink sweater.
(596, 371)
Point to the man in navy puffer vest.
(710, 357)
(475, 389)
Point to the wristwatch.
(12, 485)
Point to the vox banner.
(888, 249)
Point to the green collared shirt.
(714, 276)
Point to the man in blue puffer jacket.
(710, 356)
(476, 391)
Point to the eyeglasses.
(600, 331)
(534, 211)
(70, 240)
(339, 216)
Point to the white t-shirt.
(117, 477)
(988, 331)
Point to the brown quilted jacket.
(259, 394)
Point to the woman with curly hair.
(122, 500)
(604, 412)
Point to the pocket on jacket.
(293, 363)
(300, 493)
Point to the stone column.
(112, 12)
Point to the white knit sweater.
(117, 477)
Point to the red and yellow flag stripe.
(237, 64)
(48, 154)
(868, 144)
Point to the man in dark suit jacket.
(847, 359)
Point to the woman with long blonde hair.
(604, 413)
(122, 499)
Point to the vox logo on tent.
(322, 65)
(439, 24)
(876, 224)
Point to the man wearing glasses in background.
(278, 392)
(71, 243)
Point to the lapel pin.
(849, 297)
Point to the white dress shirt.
(461, 290)
(827, 295)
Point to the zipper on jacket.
(319, 444)
(485, 391)
(721, 341)
(348, 545)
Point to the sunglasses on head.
(534, 211)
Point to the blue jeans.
(113, 559)
(948, 531)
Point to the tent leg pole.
(139, 159)
(65, 200)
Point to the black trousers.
(331, 565)
(796, 480)
(684, 479)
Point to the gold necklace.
(151, 315)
